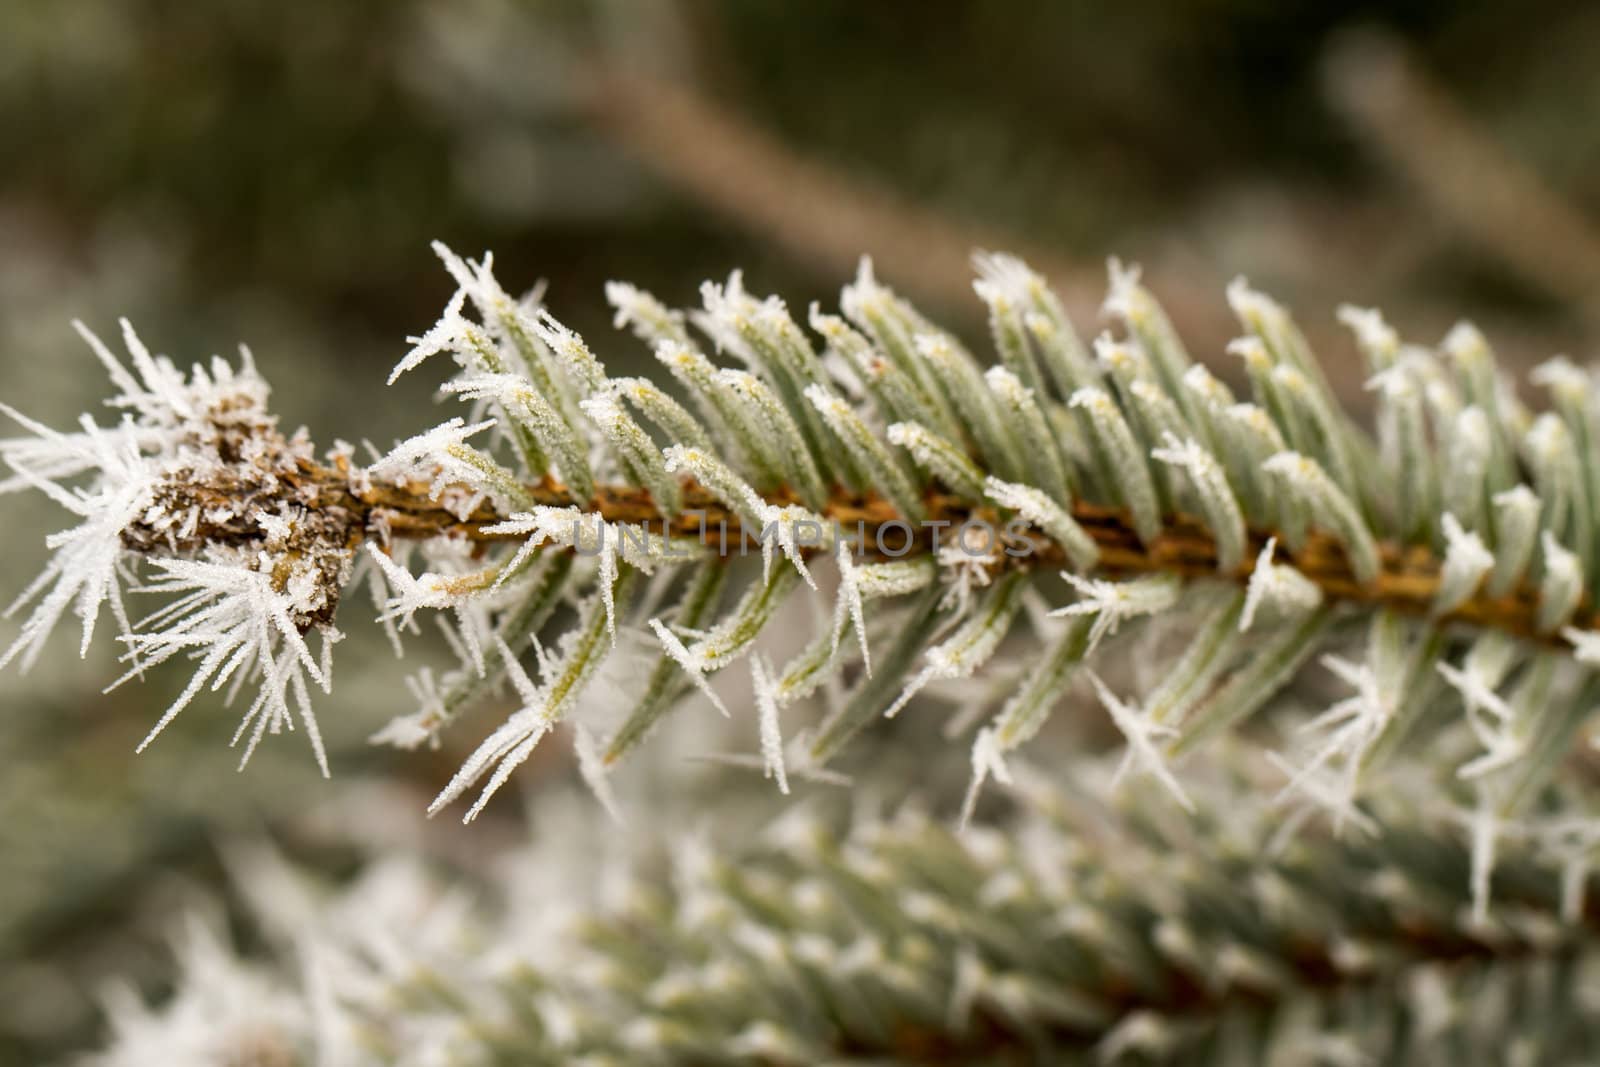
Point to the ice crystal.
(1140, 734)
(1113, 603)
(240, 626)
(1278, 587)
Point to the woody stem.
(1408, 580)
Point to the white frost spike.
(562, 680)
(49, 455)
(436, 592)
(987, 762)
(1477, 691)
(1005, 277)
(1352, 726)
(1326, 790)
(443, 336)
(231, 619)
(1111, 603)
(1140, 733)
(527, 692)
(589, 535)
(592, 769)
(580, 364)
(1466, 561)
(529, 410)
(164, 409)
(88, 557)
(1585, 645)
(133, 395)
(433, 591)
(964, 570)
(767, 721)
(506, 749)
(1281, 588)
(881, 581)
(1571, 842)
(504, 314)
(848, 606)
(786, 521)
(1502, 733)
(692, 664)
(1125, 298)
(167, 396)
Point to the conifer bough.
(1458, 535)
(1084, 929)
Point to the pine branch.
(1071, 929)
(1409, 579)
(1463, 534)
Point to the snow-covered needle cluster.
(939, 513)
(195, 483)
(1080, 930)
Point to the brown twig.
(1408, 580)
(826, 217)
(1460, 172)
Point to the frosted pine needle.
(848, 607)
(987, 761)
(594, 772)
(1346, 733)
(767, 721)
(690, 661)
(1466, 562)
(1216, 497)
(1277, 588)
(1036, 507)
(971, 645)
(1140, 733)
(1476, 690)
(1113, 603)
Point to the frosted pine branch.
(924, 498)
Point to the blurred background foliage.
(272, 173)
